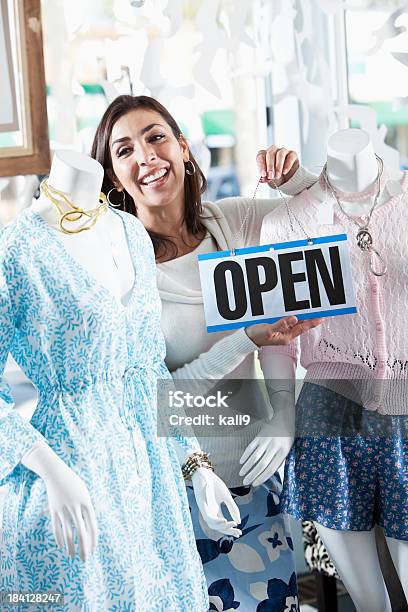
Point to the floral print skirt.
(353, 476)
(256, 572)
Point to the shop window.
(376, 42)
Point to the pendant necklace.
(364, 236)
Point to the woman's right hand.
(69, 501)
(280, 333)
(276, 165)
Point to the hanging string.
(239, 236)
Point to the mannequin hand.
(276, 165)
(70, 506)
(210, 492)
(264, 455)
(68, 500)
(280, 333)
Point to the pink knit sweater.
(369, 348)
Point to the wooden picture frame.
(32, 154)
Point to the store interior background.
(237, 75)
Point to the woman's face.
(148, 160)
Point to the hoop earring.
(120, 203)
(188, 171)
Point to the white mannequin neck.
(76, 175)
(351, 162)
(352, 168)
(102, 250)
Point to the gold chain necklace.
(60, 199)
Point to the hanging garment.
(347, 469)
(355, 479)
(369, 347)
(95, 364)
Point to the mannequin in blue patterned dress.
(94, 350)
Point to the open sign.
(263, 284)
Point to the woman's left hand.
(280, 333)
(276, 165)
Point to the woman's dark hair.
(194, 184)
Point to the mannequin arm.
(267, 451)
(17, 435)
(21, 443)
(209, 490)
(68, 499)
(264, 455)
(211, 493)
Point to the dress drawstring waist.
(136, 381)
(140, 381)
(132, 374)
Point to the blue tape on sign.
(301, 317)
(216, 255)
(278, 246)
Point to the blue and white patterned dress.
(95, 364)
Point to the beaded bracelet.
(195, 461)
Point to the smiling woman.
(147, 159)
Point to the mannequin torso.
(352, 169)
(103, 253)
